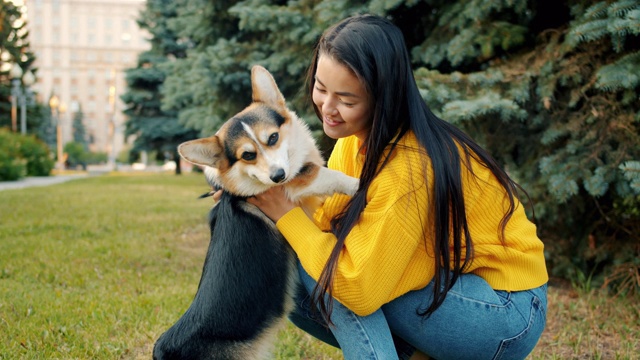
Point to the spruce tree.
(80, 130)
(45, 128)
(14, 48)
(557, 104)
(155, 129)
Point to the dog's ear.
(264, 88)
(205, 151)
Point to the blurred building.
(82, 49)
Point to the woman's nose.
(329, 108)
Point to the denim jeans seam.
(493, 305)
(506, 343)
(354, 319)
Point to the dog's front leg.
(327, 182)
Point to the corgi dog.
(249, 277)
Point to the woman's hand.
(274, 203)
(217, 195)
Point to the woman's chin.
(332, 132)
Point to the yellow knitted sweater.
(390, 250)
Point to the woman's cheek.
(317, 98)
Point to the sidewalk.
(32, 181)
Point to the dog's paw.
(350, 186)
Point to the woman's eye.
(322, 91)
(273, 139)
(248, 156)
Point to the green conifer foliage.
(560, 111)
(14, 48)
(154, 128)
(80, 135)
(212, 83)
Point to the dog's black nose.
(277, 176)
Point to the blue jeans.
(473, 322)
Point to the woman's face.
(342, 100)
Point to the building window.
(126, 37)
(55, 36)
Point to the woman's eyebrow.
(341, 93)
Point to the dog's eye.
(248, 156)
(273, 139)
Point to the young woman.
(434, 254)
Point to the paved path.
(38, 181)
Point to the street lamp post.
(21, 95)
(15, 74)
(112, 121)
(27, 80)
(54, 104)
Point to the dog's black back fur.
(245, 280)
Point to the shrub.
(12, 166)
(37, 155)
(23, 155)
(77, 154)
(97, 158)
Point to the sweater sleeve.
(378, 251)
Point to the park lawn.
(98, 268)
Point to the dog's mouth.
(270, 182)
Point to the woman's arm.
(378, 252)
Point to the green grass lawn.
(98, 268)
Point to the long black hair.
(374, 49)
